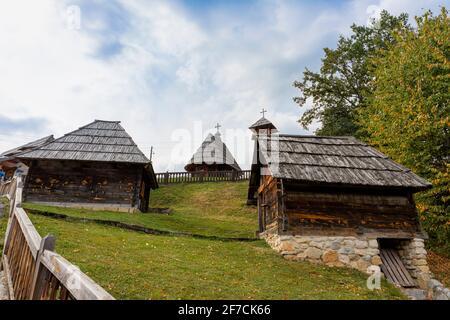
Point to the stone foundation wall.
(358, 253)
(355, 252)
(414, 256)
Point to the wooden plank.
(29, 231)
(80, 286)
(394, 269)
(390, 265)
(37, 284)
(406, 277)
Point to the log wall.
(358, 212)
(85, 182)
(268, 203)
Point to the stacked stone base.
(414, 256)
(354, 252)
(358, 253)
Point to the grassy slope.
(216, 209)
(132, 265)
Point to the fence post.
(166, 177)
(38, 282)
(19, 189)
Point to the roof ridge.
(88, 151)
(341, 167)
(110, 121)
(314, 136)
(335, 154)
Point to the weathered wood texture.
(198, 177)
(76, 181)
(5, 188)
(268, 203)
(351, 211)
(32, 270)
(103, 141)
(394, 269)
(342, 161)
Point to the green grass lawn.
(132, 265)
(211, 209)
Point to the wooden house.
(212, 156)
(96, 166)
(336, 200)
(9, 163)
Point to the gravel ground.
(3, 290)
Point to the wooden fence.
(32, 269)
(199, 177)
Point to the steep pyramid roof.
(213, 151)
(263, 123)
(100, 140)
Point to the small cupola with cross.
(263, 126)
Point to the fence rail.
(32, 269)
(199, 177)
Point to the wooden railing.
(198, 177)
(32, 269)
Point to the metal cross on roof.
(263, 111)
(218, 126)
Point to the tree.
(408, 113)
(344, 80)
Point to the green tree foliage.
(344, 80)
(434, 210)
(408, 113)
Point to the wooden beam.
(80, 286)
(38, 282)
(29, 231)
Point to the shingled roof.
(26, 147)
(262, 123)
(100, 140)
(338, 161)
(213, 151)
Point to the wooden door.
(144, 192)
(394, 269)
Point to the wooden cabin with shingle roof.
(338, 201)
(310, 183)
(9, 163)
(96, 166)
(212, 156)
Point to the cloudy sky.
(169, 70)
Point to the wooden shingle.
(100, 140)
(337, 161)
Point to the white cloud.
(173, 69)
